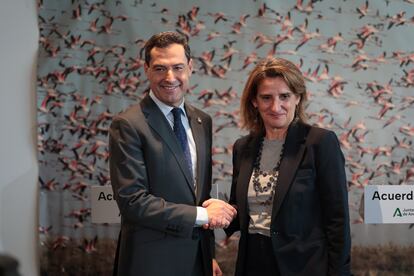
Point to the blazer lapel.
(157, 121)
(248, 156)
(293, 152)
(199, 135)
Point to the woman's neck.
(276, 133)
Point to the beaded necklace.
(274, 175)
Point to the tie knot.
(176, 113)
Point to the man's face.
(169, 73)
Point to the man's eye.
(179, 68)
(159, 69)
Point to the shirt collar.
(165, 109)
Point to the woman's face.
(275, 103)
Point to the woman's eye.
(285, 96)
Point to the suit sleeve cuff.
(202, 216)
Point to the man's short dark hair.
(163, 40)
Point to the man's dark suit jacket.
(310, 219)
(155, 193)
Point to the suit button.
(275, 233)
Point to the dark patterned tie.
(182, 137)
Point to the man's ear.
(146, 68)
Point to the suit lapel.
(293, 152)
(199, 135)
(157, 121)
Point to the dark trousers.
(198, 265)
(260, 259)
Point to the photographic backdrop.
(357, 57)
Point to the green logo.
(397, 213)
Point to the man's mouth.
(170, 87)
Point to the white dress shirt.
(202, 216)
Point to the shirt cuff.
(202, 216)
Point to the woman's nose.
(275, 105)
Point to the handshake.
(220, 213)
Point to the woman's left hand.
(216, 269)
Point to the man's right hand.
(220, 213)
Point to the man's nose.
(169, 75)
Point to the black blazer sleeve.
(235, 224)
(331, 181)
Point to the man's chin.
(174, 100)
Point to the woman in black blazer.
(289, 183)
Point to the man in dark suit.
(160, 165)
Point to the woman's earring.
(296, 118)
